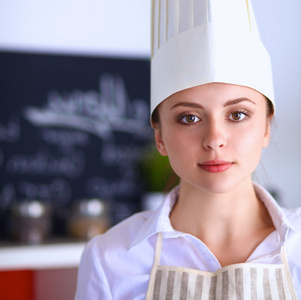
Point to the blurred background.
(74, 130)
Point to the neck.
(223, 219)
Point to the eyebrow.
(238, 100)
(199, 106)
(188, 104)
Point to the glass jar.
(30, 222)
(89, 218)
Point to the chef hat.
(196, 42)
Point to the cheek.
(175, 147)
(182, 149)
(253, 142)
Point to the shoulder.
(293, 245)
(109, 259)
(293, 216)
(121, 235)
(105, 253)
(106, 263)
(293, 238)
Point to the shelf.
(37, 257)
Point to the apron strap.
(284, 261)
(149, 294)
(158, 249)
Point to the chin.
(216, 186)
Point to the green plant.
(156, 171)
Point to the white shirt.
(117, 265)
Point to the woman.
(217, 235)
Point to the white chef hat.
(196, 42)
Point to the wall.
(98, 27)
(280, 27)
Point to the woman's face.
(213, 135)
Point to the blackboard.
(72, 127)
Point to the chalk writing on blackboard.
(65, 139)
(120, 154)
(58, 191)
(1, 158)
(7, 195)
(110, 189)
(73, 127)
(45, 163)
(97, 112)
(10, 132)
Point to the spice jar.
(89, 218)
(30, 222)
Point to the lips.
(216, 166)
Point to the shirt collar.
(276, 213)
(159, 220)
(282, 218)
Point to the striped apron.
(238, 281)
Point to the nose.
(214, 137)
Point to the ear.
(159, 141)
(267, 134)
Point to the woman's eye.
(237, 116)
(189, 119)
